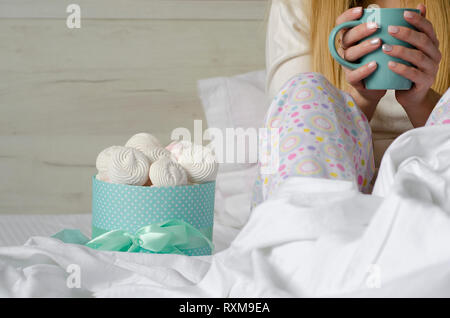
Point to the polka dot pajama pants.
(322, 134)
(441, 113)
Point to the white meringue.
(172, 145)
(157, 153)
(129, 166)
(198, 161)
(176, 148)
(102, 177)
(167, 173)
(104, 159)
(145, 143)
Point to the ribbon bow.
(173, 236)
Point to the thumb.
(423, 9)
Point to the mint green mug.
(383, 78)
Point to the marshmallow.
(145, 143)
(104, 159)
(167, 173)
(129, 166)
(198, 161)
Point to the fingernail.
(387, 47)
(393, 29)
(392, 64)
(372, 64)
(372, 25)
(375, 41)
(357, 10)
(408, 14)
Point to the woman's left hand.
(425, 57)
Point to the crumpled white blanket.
(315, 237)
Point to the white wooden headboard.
(65, 94)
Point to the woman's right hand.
(350, 50)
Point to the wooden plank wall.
(65, 94)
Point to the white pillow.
(234, 102)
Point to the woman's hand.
(367, 100)
(419, 101)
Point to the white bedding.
(315, 237)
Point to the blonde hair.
(323, 14)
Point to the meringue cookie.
(129, 166)
(167, 173)
(198, 161)
(157, 153)
(102, 176)
(172, 145)
(176, 148)
(104, 159)
(145, 143)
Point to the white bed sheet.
(17, 229)
(315, 237)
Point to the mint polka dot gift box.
(147, 198)
(152, 216)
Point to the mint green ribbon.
(170, 237)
